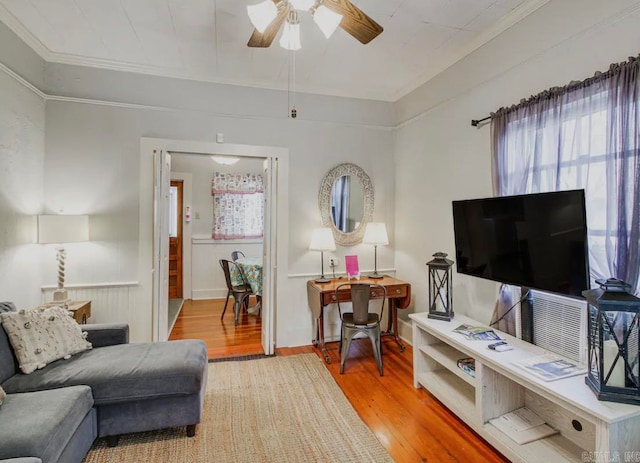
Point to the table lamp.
(322, 240)
(376, 234)
(60, 229)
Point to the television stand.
(589, 430)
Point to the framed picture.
(351, 264)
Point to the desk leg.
(392, 324)
(319, 341)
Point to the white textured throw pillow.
(41, 336)
(3, 395)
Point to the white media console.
(589, 430)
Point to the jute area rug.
(279, 409)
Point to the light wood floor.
(201, 320)
(411, 424)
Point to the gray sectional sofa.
(54, 414)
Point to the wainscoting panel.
(110, 302)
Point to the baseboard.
(405, 331)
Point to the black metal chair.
(240, 293)
(235, 255)
(362, 319)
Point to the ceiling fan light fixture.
(290, 38)
(327, 20)
(303, 5)
(262, 14)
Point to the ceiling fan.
(268, 16)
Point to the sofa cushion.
(3, 395)
(125, 372)
(40, 424)
(39, 337)
(8, 364)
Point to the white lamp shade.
(262, 14)
(327, 20)
(290, 38)
(302, 4)
(376, 233)
(63, 228)
(322, 240)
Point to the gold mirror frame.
(324, 202)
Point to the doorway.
(175, 239)
(224, 197)
(176, 217)
(155, 172)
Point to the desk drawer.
(399, 291)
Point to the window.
(585, 135)
(238, 206)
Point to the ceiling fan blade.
(264, 40)
(354, 21)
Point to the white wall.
(202, 253)
(439, 157)
(94, 150)
(22, 132)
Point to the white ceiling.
(206, 40)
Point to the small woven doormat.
(278, 409)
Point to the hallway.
(200, 319)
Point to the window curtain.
(584, 135)
(238, 206)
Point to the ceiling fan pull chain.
(294, 112)
(291, 85)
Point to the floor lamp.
(322, 240)
(376, 234)
(61, 229)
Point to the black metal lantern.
(613, 329)
(440, 287)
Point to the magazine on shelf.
(477, 333)
(523, 426)
(468, 365)
(551, 367)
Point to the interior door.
(269, 253)
(162, 162)
(175, 239)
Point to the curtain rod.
(477, 122)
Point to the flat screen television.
(538, 241)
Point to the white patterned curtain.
(238, 206)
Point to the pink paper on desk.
(351, 263)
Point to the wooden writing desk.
(323, 294)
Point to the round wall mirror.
(346, 203)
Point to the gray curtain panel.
(584, 135)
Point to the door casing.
(150, 227)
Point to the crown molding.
(385, 96)
(174, 73)
(507, 21)
(22, 81)
(145, 107)
(23, 33)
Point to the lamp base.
(60, 295)
(375, 276)
(323, 280)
